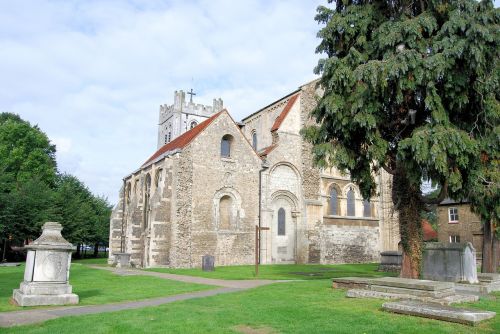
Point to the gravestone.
(208, 263)
(453, 262)
(390, 261)
(47, 270)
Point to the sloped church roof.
(184, 139)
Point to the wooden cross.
(191, 97)
(257, 246)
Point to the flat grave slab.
(351, 282)
(414, 284)
(488, 277)
(415, 292)
(439, 312)
(448, 300)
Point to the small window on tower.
(193, 124)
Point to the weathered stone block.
(439, 312)
(455, 262)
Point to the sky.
(92, 74)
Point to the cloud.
(92, 74)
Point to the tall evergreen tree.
(411, 87)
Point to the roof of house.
(429, 232)
(184, 139)
(448, 201)
(284, 113)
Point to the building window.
(351, 206)
(454, 238)
(367, 208)
(333, 204)
(225, 212)
(281, 221)
(453, 215)
(128, 193)
(166, 139)
(254, 140)
(193, 124)
(225, 146)
(158, 177)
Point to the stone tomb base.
(44, 293)
(487, 283)
(402, 288)
(439, 312)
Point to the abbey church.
(212, 180)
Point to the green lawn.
(296, 307)
(284, 271)
(96, 286)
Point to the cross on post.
(257, 246)
(191, 93)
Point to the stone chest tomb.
(47, 270)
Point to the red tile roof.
(429, 232)
(285, 112)
(184, 139)
(267, 150)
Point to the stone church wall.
(215, 177)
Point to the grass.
(283, 271)
(95, 286)
(295, 307)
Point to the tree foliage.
(411, 87)
(33, 192)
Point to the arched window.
(351, 206)
(254, 140)
(367, 208)
(158, 177)
(147, 189)
(225, 146)
(333, 204)
(128, 193)
(193, 124)
(169, 133)
(225, 212)
(281, 222)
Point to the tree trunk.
(96, 249)
(487, 263)
(496, 254)
(407, 201)
(78, 254)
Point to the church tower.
(182, 116)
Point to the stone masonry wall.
(183, 203)
(214, 177)
(115, 228)
(468, 228)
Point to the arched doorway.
(284, 229)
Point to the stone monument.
(390, 261)
(47, 270)
(208, 263)
(454, 262)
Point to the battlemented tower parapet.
(183, 115)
